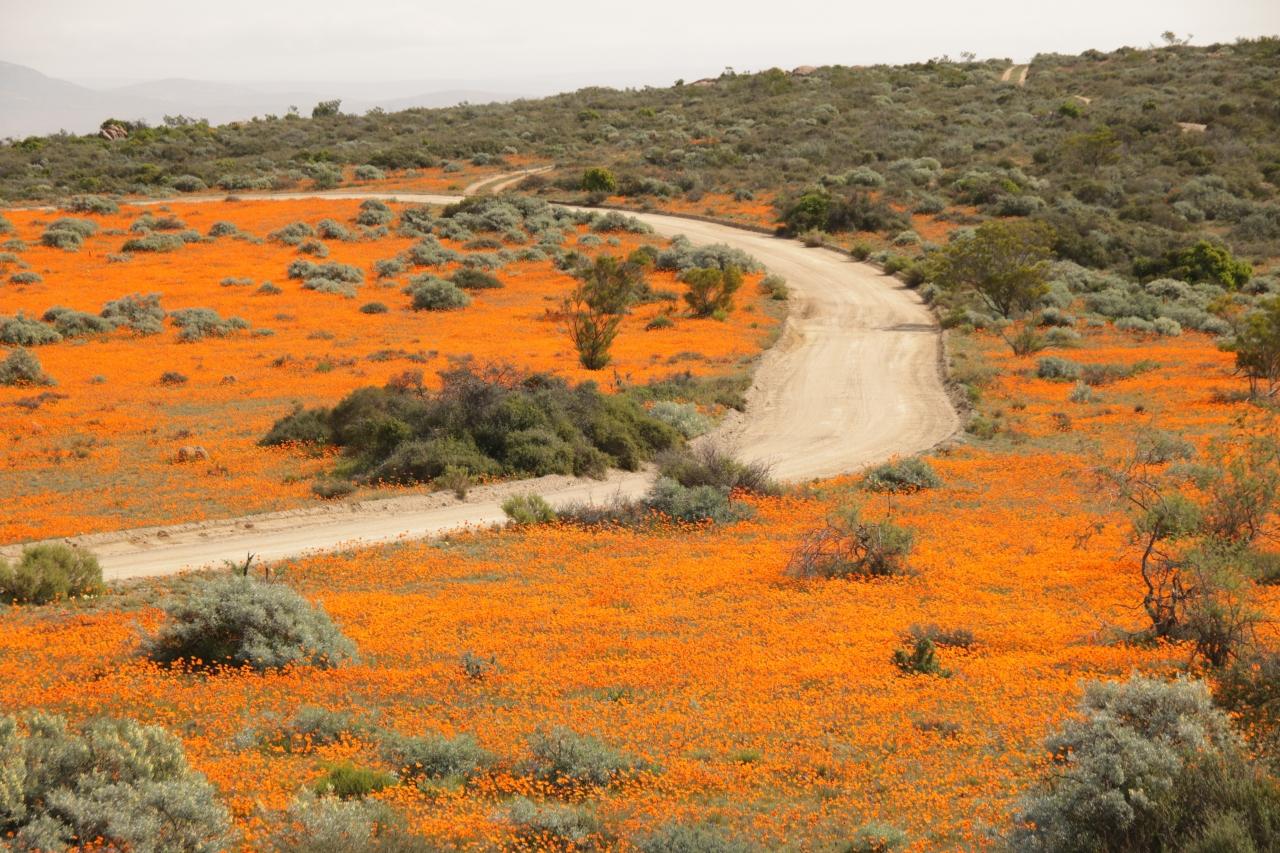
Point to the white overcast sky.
(630, 42)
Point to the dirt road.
(854, 379)
(1021, 71)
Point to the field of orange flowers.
(100, 454)
(770, 705)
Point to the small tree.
(711, 289)
(326, 108)
(1257, 348)
(593, 312)
(1005, 264)
(599, 180)
(1194, 528)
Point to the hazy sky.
(637, 41)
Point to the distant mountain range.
(32, 103)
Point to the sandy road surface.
(495, 184)
(854, 379)
(1021, 70)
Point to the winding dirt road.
(854, 379)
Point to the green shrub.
(198, 323)
(849, 547)
(73, 324)
(1150, 765)
(483, 423)
(776, 287)
(21, 368)
(1058, 369)
(683, 417)
(599, 179)
(69, 241)
(920, 658)
(903, 476)
(374, 308)
(553, 826)
(306, 270)
(239, 621)
(565, 758)
(435, 756)
(388, 267)
(694, 503)
(473, 279)
(327, 489)
(223, 229)
(960, 638)
(292, 234)
(140, 313)
(153, 243)
(115, 785)
(435, 294)
(1201, 261)
(710, 289)
(313, 726)
(691, 838)
(528, 509)
(373, 212)
(876, 838)
(346, 781)
(710, 465)
(26, 331)
(314, 248)
(301, 426)
(319, 824)
(1249, 690)
(50, 572)
(367, 172)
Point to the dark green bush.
(240, 621)
(598, 179)
(920, 658)
(473, 279)
(710, 465)
(482, 423)
(346, 781)
(50, 572)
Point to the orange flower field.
(770, 705)
(96, 451)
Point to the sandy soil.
(853, 380)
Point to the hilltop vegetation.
(1092, 144)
